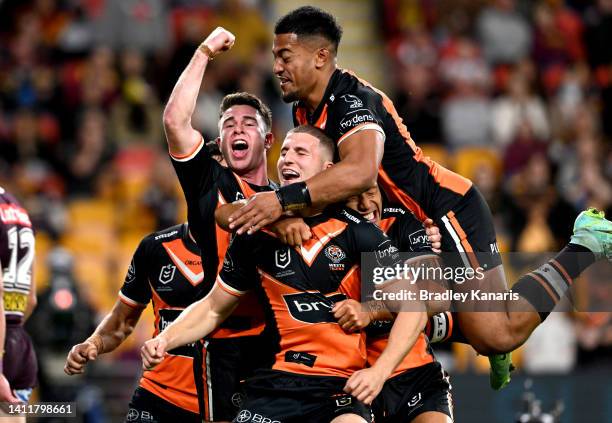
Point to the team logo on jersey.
(282, 258)
(336, 255)
(131, 273)
(354, 101)
(167, 273)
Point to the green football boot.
(593, 231)
(501, 366)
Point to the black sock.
(444, 327)
(546, 286)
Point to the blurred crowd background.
(514, 94)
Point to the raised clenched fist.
(220, 40)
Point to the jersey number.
(18, 274)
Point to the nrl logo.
(167, 274)
(282, 258)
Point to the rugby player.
(18, 367)
(372, 144)
(244, 127)
(418, 390)
(244, 137)
(315, 361)
(166, 270)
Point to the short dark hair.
(308, 21)
(325, 142)
(247, 99)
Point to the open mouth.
(283, 81)
(239, 148)
(371, 216)
(290, 175)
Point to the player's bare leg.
(494, 331)
(432, 417)
(349, 418)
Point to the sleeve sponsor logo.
(353, 101)
(356, 118)
(131, 273)
(418, 239)
(386, 254)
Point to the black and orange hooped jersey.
(299, 286)
(16, 256)
(207, 185)
(405, 231)
(166, 270)
(408, 177)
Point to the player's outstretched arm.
(182, 138)
(366, 384)
(194, 323)
(110, 333)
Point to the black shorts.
(231, 361)
(146, 407)
(468, 230)
(413, 392)
(280, 397)
(19, 362)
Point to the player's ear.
(327, 164)
(218, 141)
(323, 56)
(268, 140)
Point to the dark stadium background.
(516, 95)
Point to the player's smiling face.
(368, 204)
(294, 66)
(301, 157)
(243, 138)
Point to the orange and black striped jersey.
(408, 177)
(166, 270)
(207, 185)
(16, 256)
(299, 286)
(408, 234)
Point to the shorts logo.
(237, 400)
(239, 196)
(131, 273)
(494, 248)
(344, 401)
(354, 101)
(167, 273)
(414, 400)
(282, 258)
(243, 416)
(132, 415)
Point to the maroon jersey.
(16, 255)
